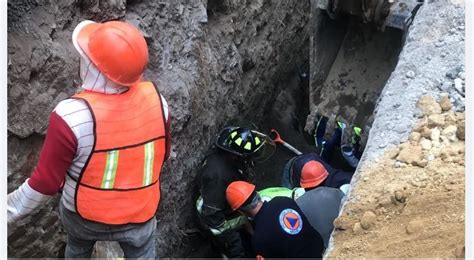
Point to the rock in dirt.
(342, 223)
(429, 106)
(414, 226)
(436, 120)
(421, 123)
(460, 116)
(411, 74)
(399, 164)
(415, 137)
(357, 229)
(425, 132)
(453, 73)
(392, 153)
(450, 131)
(430, 157)
(399, 196)
(445, 103)
(435, 134)
(425, 144)
(410, 154)
(368, 220)
(450, 118)
(421, 163)
(436, 144)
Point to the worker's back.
(321, 207)
(282, 230)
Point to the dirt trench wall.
(213, 61)
(430, 64)
(350, 63)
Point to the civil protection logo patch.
(290, 221)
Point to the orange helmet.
(238, 192)
(118, 49)
(313, 174)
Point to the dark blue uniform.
(335, 179)
(282, 231)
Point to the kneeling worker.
(310, 168)
(233, 154)
(320, 205)
(280, 227)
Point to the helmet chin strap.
(94, 80)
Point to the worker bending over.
(229, 159)
(315, 168)
(280, 229)
(310, 169)
(320, 205)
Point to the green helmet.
(246, 143)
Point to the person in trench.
(229, 159)
(104, 147)
(279, 228)
(315, 167)
(320, 204)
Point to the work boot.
(348, 154)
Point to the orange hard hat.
(116, 48)
(313, 174)
(238, 192)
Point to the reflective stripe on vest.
(148, 167)
(110, 170)
(120, 181)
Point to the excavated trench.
(340, 69)
(344, 77)
(356, 73)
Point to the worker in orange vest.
(105, 147)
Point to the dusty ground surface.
(411, 203)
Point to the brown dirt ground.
(410, 203)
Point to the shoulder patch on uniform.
(290, 221)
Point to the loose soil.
(410, 203)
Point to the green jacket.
(272, 192)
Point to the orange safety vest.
(120, 182)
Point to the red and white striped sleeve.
(58, 151)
